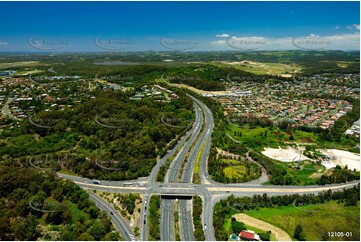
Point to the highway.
(198, 137)
(152, 177)
(207, 216)
(185, 206)
(119, 223)
(168, 205)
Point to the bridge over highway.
(186, 152)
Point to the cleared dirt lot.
(286, 155)
(342, 158)
(248, 220)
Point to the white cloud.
(349, 41)
(354, 26)
(337, 27)
(4, 43)
(223, 35)
(219, 42)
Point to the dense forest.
(108, 137)
(37, 205)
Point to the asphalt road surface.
(211, 192)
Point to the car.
(111, 213)
(227, 191)
(144, 221)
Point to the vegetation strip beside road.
(197, 215)
(154, 218)
(196, 175)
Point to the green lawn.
(257, 231)
(326, 218)
(237, 169)
(227, 225)
(260, 136)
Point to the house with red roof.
(249, 235)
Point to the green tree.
(265, 236)
(112, 236)
(86, 237)
(25, 229)
(299, 234)
(237, 226)
(97, 230)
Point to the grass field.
(328, 217)
(261, 68)
(19, 64)
(257, 231)
(260, 136)
(255, 138)
(238, 169)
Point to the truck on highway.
(97, 182)
(128, 183)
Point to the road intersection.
(178, 184)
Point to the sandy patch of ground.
(241, 62)
(285, 155)
(198, 90)
(248, 220)
(342, 158)
(226, 153)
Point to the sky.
(180, 26)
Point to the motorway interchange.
(178, 186)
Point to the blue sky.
(132, 26)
